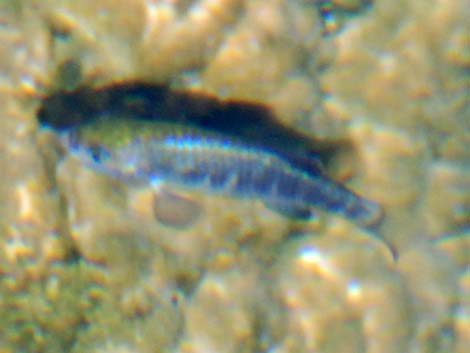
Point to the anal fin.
(295, 212)
(174, 209)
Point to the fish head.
(99, 145)
(89, 151)
(109, 146)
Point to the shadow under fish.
(251, 122)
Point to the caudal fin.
(368, 214)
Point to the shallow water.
(85, 264)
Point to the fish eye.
(98, 153)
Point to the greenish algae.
(47, 314)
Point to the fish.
(139, 150)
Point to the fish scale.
(195, 158)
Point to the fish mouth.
(67, 140)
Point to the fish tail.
(332, 196)
(366, 213)
(369, 215)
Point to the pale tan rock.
(462, 315)
(432, 278)
(447, 198)
(220, 316)
(457, 247)
(334, 287)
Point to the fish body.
(138, 150)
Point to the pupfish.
(154, 152)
